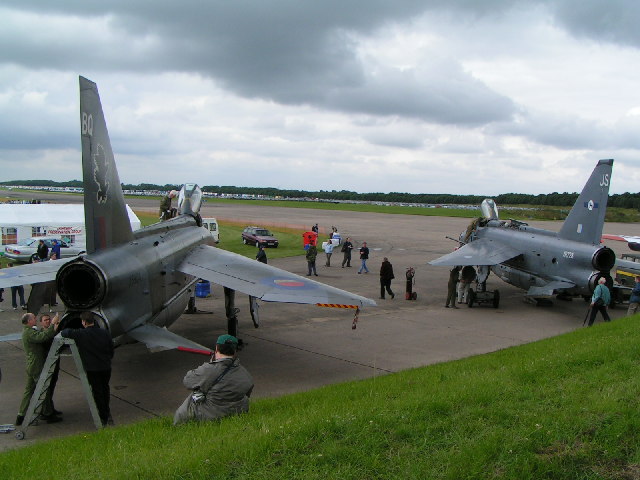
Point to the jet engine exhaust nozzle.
(81, 285)
(603, 259)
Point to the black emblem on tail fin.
(101, 174)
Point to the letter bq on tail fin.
(586, 219)
(106, 219)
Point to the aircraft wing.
(30, 273)
(632, 242)
(159, 338)
(548, 289)
(483, 251)
(262, 281)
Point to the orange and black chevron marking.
(335, 305)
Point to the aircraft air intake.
(603, 259)
(81, 285)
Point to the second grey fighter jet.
(138, 283)
(543, 262)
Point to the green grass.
(562, 408)
(290, 240)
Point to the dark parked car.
(259, 236)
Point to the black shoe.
(381, 298)
(57, 412)
(19, 420)
(316, 274)
(53, 419)
(393, 296)
(446, 306)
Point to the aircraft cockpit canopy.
(189, 199)
(489, 209)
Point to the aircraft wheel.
(472, 298)
(19, 435)
(496, 299)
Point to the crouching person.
(219, 388)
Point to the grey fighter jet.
(138, 283)
(543, 262)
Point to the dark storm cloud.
(608, 21)
(291, 52)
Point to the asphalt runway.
(300, 347)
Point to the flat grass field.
(290, 240)
(561, 408)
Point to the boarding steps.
(58, 349)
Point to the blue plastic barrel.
(203, 289)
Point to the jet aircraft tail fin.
(586, 219)
(105, 215)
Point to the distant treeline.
(625, 200)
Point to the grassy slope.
(562, 408)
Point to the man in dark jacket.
(220, 387)
(96, 351)
(364, 256)
(347, 246)
(262, 255)
(42, 251)
(634, 300)
(386, 275)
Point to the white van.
(211, 224)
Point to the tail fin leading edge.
(105, 215)
(586, 219)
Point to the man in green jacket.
(35, 343)
(311, 254)
(219, 388)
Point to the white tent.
(19, 221)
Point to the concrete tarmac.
(301, 347)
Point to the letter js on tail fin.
(586, 219)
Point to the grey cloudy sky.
(434, 96)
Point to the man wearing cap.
(220, 387)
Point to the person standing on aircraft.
(600, 301)
(45, 323)
(634, 300)
(328, 250)
(42, 251)
(467, 276)
(364, 256)
(312, 253)
(166, 212)
(347, 246)
(34, 342)
(386, 275)
(220, 387)
(261, 255)
(454, 277)
(96, 351)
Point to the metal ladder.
(40, 392)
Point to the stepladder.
(60, 347)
